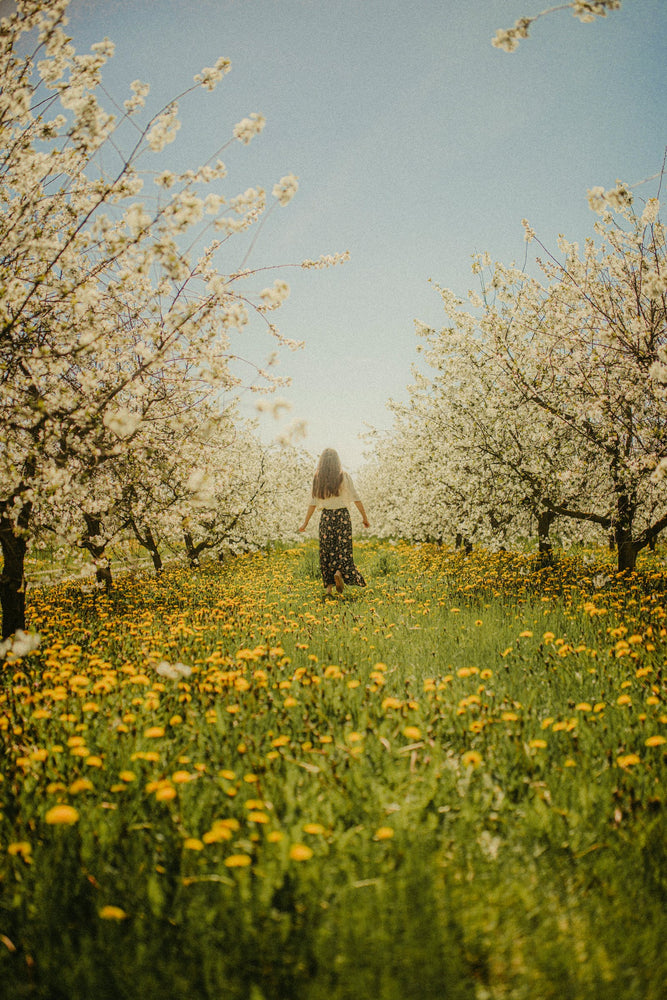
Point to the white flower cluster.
(286, 188)
(326, 260)
(273, 297)
(210, 76)
(173, 671)
(249, 127)
(18, 645)
(508, 38)
(586, 10)
(164, 130)
(140, 92)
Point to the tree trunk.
(191, 550)
(97, 550)
(545, 519)
(147, 540)
(151, 545)
(627, 548)
(12, 579)
(461, 540)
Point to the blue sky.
(416, 144)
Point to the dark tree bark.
(627, 546)
(545, 519)
(12, 580)
(463, 542)
(97, 550)
(191, 550)
(146, 539)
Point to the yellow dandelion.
(583, 706)
(112, 913)
(655, 741)
(193, 844)
(384, 833)
(526, 634)
(538, 744)
(238, 861)
(62, 815)
(154, 732)
(314, 828)
(182, 777)
(216, 834)
(412, 733)
(628, 760)
(300, 852)
(20, 848)
(165, 793)
(81, 785)
(471, 758)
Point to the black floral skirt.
(336, 548)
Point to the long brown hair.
(328, 477)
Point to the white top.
(347, 495)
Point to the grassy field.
(448, 785)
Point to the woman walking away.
(333, 491)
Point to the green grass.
(431, 784)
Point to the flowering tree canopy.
(118, 296)
(550, 397)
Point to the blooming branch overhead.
(585, 10)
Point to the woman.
(333, 491)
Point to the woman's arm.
(360, 508)
(309, 514)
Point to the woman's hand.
(367, 524)
(303, 527)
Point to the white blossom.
(249, 127)
(286, 188)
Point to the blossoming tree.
(550, 397)
(111, 289)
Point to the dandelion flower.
(112, 913)
(62, 815)
(628, 760)
(238, 861)
(20, 847)
(656, 741)
(314, 828)
(300, 852)
(384, 833)
(193, 844)
(81, 785)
